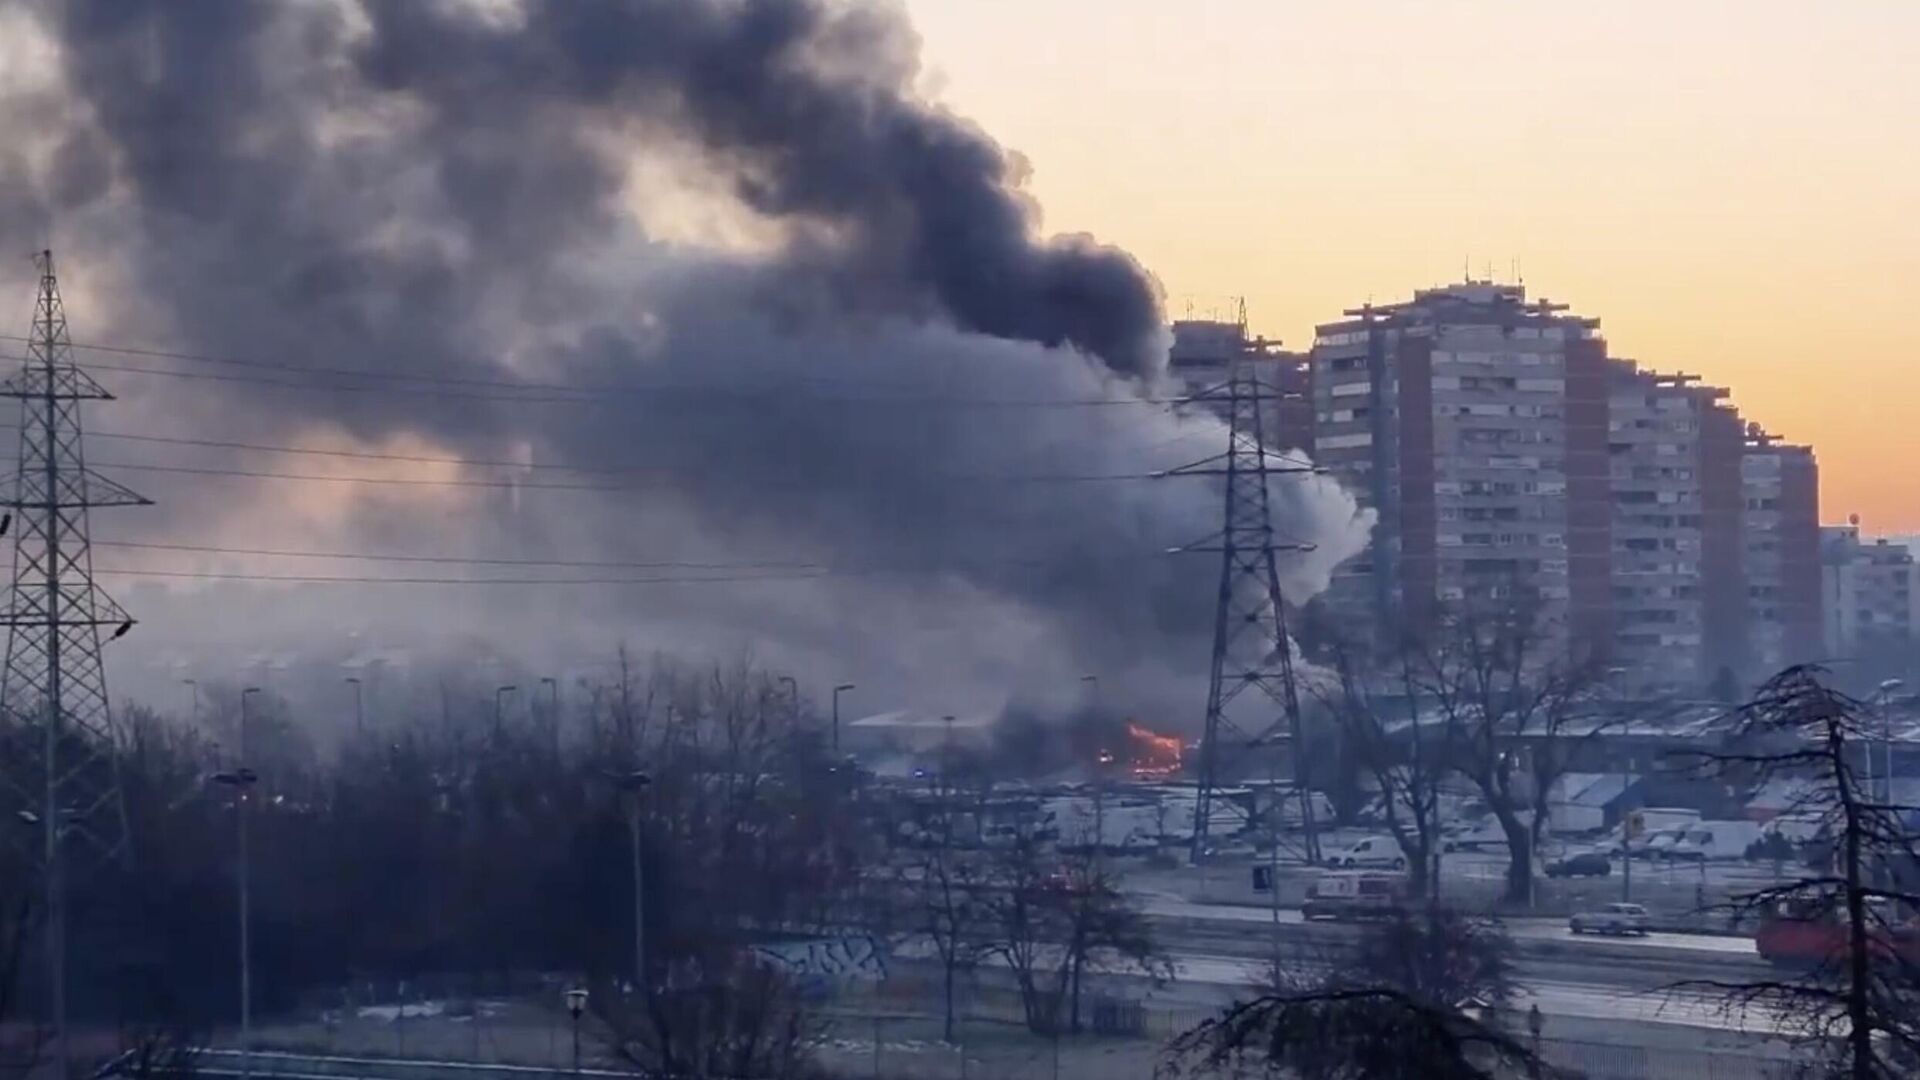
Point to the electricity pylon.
(57, 768)
(1251, 649)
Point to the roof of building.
(908, 719)
(1594, 789)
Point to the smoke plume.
(867, 386)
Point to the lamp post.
(576, 1004)
(240, 778)
(53, 830)
(837, 691)
(359, 708)
(193, 689)
(1092, 683)
(499, 699)
(1887, 689)
(633, 785)
(553, 710)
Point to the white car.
(1612, 919)
(1374, 851)
(1484, 836)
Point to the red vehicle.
(1797, 933)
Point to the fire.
(1153, 756)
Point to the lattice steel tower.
(56, 730)
(1251, 649)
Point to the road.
(1168, 908)
(1616, 980)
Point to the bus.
(1800, 933)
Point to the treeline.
(462, 846)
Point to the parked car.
(1658, 844)
(1374, 851)
(1474, 838)
(1584, 864)
(1612, 919)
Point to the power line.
(368, 455)
(361, 556)
(363, 373)
(327, 579)
(560, 394)
(518, 485)
(505, 464)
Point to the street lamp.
(837, 691)
(240, 778)
(632, 785)
(1093, 689)
(53, 830)
(499, 697)
(193, 688)
(359, 708)
(1888, 687)
(576, 1004)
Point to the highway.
(1167, 909)
(1222, 949)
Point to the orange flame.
(1153, 756)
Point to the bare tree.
(1056, 918)
(946, 886)
(1519, 707)
(1418, 999)
(743, 1018)
(1856, 996)
(1377, 708)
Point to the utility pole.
(241, 779)
(793, 698)
(553, 712)
(633, 786)
(56, 731)
(1251, 648)
(499, 718)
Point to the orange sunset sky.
(1732, 188)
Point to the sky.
(1732, 188)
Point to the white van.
(1715, 840)
(1374, 851)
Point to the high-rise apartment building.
(1679, 597)
(1204, 353)
(1781, 488)
(1474, 421)
(1870, 596)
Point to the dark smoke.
(448, 190)
(811, 103)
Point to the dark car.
(1587, 864)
